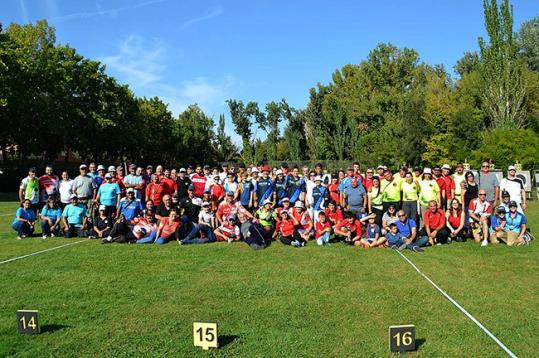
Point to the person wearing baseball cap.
(449, 186)
(264, 187)
(135, 181)
(280, 186)
(109, 195)
(305, 221)
(84, 186)
(319, 197)
(515, 226)
(75, 218)
(428, 190)
(515, 187)
(497, 224)
(182, 183)
(266, 216)
(102, 224)
(459, 178)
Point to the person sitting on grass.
(205, 226)
(24, 220)
(323, 229)
(480, 211)
(251, 233)
(286, 229)
(51, 216)
(102, 223)
(145, 229)
(168, 228)
(305, 228)
(434, 230)
(497, 225)
(333, 214)
(267, 216)
(228, 231)
(455, 221)
(350, 229)
(408, 230)
(396, 241)
(373, 236)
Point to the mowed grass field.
(141, 300)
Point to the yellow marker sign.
(205, 335)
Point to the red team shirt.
(334, 217)
(199, 182)
(355, 226)
(334, 193)
(285, 227)
(319, 227)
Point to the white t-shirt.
(514, 187)
(309, 186)
(65, 190)
(205, 217)
(231, 186)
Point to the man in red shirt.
(349, 229)
(155, 191)
(119, 179)
(199, 181)
(169, 183)
(449, 183)
(434, 225)
(48, 185)
(333, 188)
(369, 174)
(437, 175)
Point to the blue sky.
(209, 51)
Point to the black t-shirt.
(102, 224)
(190, 209)
(472, 192)
(162, 210)
(183, 184)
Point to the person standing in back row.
(515, 187)
(489, 182)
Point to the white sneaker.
(484, 243)
(44, 236)
(52, 234)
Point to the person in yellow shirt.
(410, 196)
(391, 191)
(428, 190)
(375, 203)
(417, 174)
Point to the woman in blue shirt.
(24, 220)
(51, 215)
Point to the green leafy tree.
(194, 130)
(528, 42)
(504, 88)
(226, 150)
(242, 118)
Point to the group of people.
(408, 209)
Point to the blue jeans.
(420, 241)
(399, 243)
(324, 239)
(46, 228)
(205, 229)
(22, 228)
(161, 241)
(148, 240)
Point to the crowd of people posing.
(408, 209)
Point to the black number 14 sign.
(27, 322)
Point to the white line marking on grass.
(42, 251)
(474, 320)
(5, 214)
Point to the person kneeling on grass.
(286, 230)
(75, 218)
(372, 234)
(228, 231)
(396, 240)
(24, 220)
(350, 229)
(51, 216)
(323, 229)
(515, 226)
(102, 223)
(497, 225)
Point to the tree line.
(390, 108)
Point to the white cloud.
(211, 14)
(103, 11)
(142, 65)
(24, 11)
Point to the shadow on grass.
(419, 342)
(226, 340)
(49, 328)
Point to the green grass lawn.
(141, 300)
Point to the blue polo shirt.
(406, 228)
(108, 192)
(29, 215)
(514, 224)
(130, 209)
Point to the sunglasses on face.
(482, 194)
(401, 216)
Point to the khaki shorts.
(509, 237)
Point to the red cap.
(265, 168)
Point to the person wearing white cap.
(280, 186)
(100, 177)
(515, 187)
(306, 225)
(134, 180)
(428, 190)
(75, 218)
(319, 197)
(102, 223)
(182, 183)
(84, 187)
(108, 195)
(266, 216)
